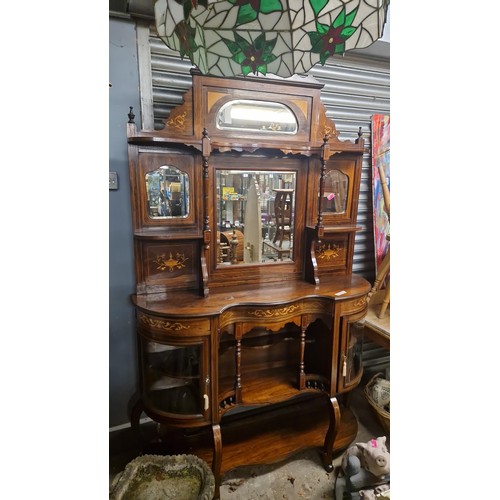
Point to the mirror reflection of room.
(257, 116)
(167, 193)
(336, 185)
(255, 216)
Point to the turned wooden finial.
(131, 115)
(360, 133)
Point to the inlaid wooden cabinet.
(244, 214)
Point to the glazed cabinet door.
(351, 348)
(175, 379)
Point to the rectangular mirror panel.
(255, 213)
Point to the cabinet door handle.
(205, 398)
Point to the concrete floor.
(300, 477)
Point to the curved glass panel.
(255, 216)
(257, 116)
(336, 189)
(167, 190)
(172, 377)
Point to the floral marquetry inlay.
(171, 263)
(272, 313)
(171, 326)
(360, 302)
(178, 121)
(328, 251)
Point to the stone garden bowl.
(159, 477)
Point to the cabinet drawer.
(354, 305)
(261, 315)
(157, 327)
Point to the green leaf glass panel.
(318, 5)
(283, 37)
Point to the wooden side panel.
(332, 253)
(168, 265)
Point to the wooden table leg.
(217, 459)
(135, 417)
(331, 434)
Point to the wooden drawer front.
(353, 305)
(262, 315)
(157, 328)
(318, 307)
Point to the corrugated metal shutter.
(355, 88)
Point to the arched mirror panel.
(167, 190)
(336, 190)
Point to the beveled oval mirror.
(257, 116)
(167, 190)
(255, 216)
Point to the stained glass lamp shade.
(281, 37)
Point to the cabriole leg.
(217, 459)
(333, 428)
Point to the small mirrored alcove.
(336, 189)
(167, 190)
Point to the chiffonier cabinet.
(244, 211)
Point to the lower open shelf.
(263, 436)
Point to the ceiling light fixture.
(281, 37)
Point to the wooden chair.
(383, 271)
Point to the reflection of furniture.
(227, 236)
(281, 251)
(336, 189)
(248, 363)
(283, 203)
(223, 249)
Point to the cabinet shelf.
(182, 400)
(167, 382)
(269, 386)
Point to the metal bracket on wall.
(113, 180)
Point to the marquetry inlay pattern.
(360, 302)
(328, 251)
(272, 313)
(178, 122)
(161, 324)
(171, 263)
